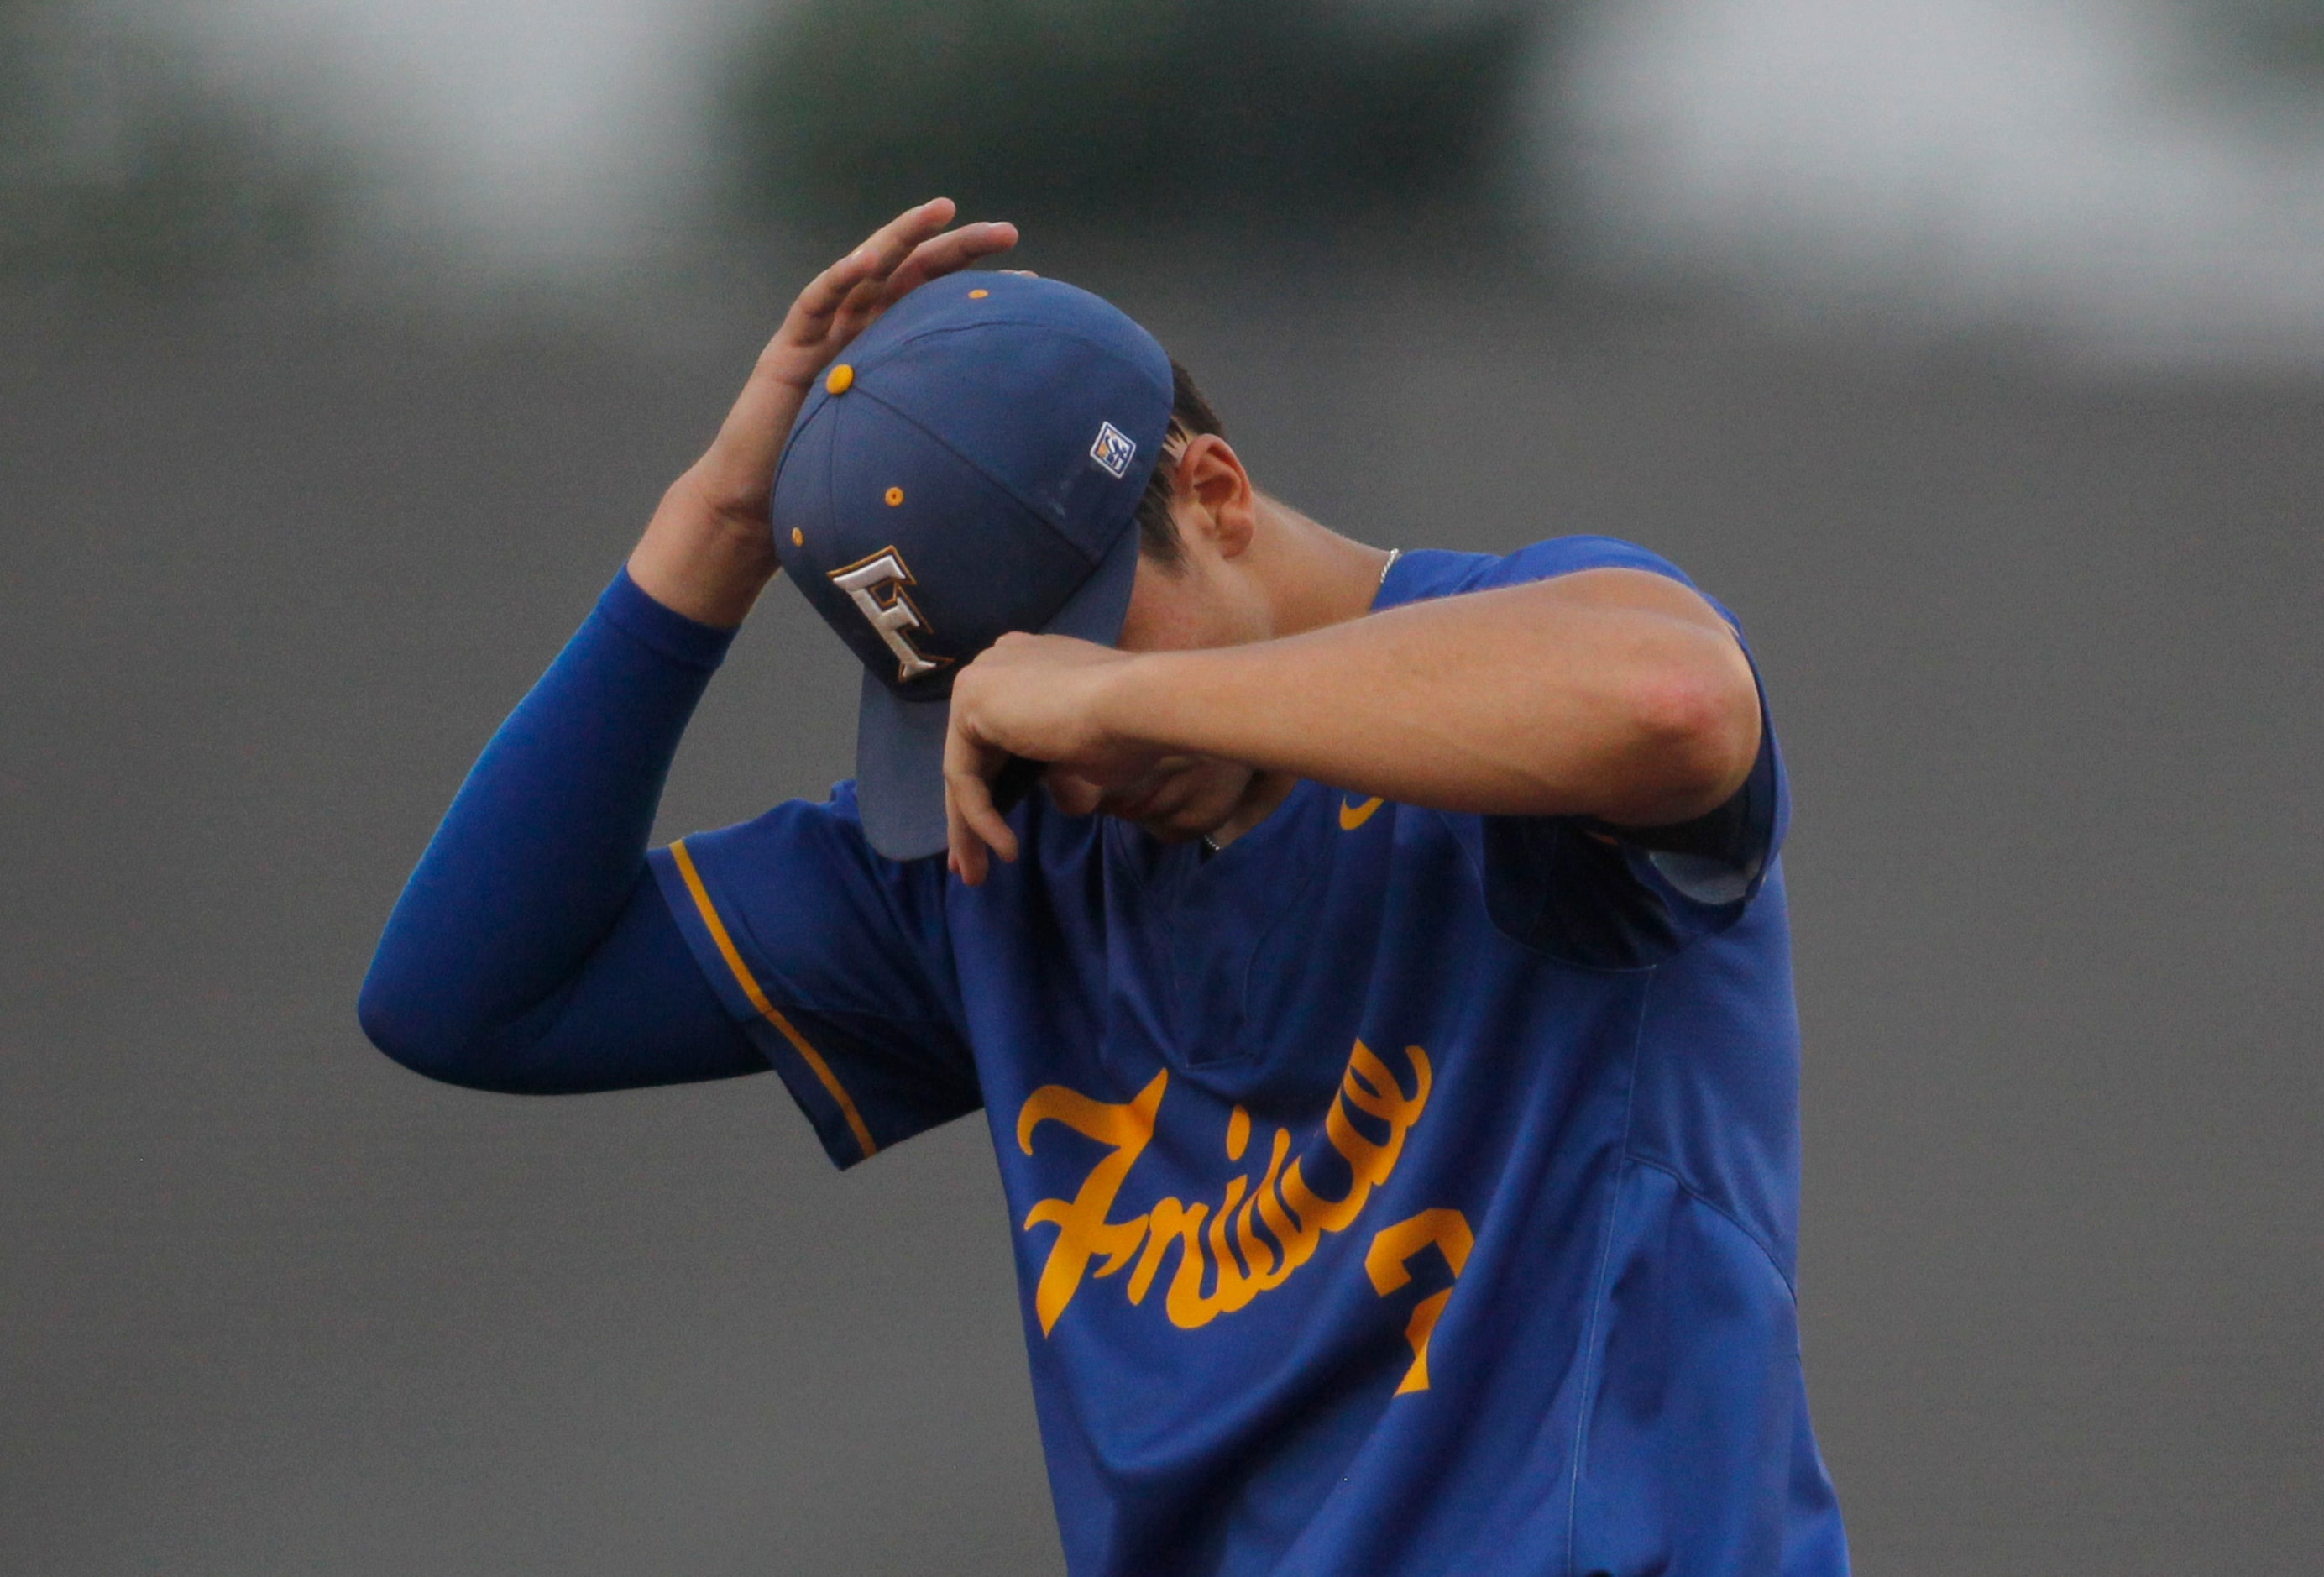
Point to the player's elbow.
(403, 1024)
(1693, 727)
(390, 1021)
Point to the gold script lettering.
(1253, 1240)
(1291, 1213)
(1083, 1231)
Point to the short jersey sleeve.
(1598, 895)
(836, 963)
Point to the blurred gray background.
(1973, 350)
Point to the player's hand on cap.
(710, 548)
(1043, 697)
(840, 303)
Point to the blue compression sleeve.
(531, 950)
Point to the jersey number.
(1389, 1265)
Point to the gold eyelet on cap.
(798, 538)
(842, 379)
(978, 295)
(895, 496)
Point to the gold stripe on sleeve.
(743, 978)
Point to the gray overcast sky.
(2065, 162)
(2087, 163)
(544, 128)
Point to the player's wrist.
(701, 559)
(1135, 705)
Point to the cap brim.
(900, 744)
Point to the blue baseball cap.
(971, 466)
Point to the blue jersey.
(1395, 1191)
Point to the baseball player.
(1382, 1009)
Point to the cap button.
(842, 379)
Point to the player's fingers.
(877, 256)
(820, 302)
(964, 855)
(949, 253)
(973, 832)
(974, 825)
(832, 310)
(864, 304)
(890, 248)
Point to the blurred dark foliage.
(121, 160)
(1202, 110)
(2282, 38)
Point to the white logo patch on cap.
(876, 586)
(1114, 449)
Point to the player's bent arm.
(531, 950)
(1608, 693)
(1612, 692)
(634, 1012)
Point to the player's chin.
(1181, 805)
(1163, 814)
(1169, 826)
(1197, 814)
(1171, 830)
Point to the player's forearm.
(1516, 702)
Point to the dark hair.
(1190, 415)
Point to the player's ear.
(1211, 479)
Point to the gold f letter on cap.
(876, 585)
